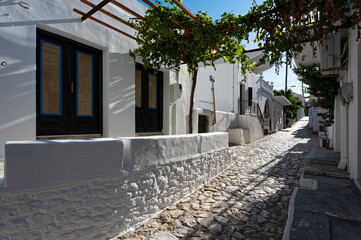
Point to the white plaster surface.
(160, 150)
(278, 115)
(353, 113)
(43, 163)
(18, 78)
(239, 136)
(227, 87)
(105, 206)
(210, 142)
(254, 127)
(80, 189)
(300, 113)
(18, 49)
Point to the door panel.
(50, 79)
(69, 89)
(148, 100)
(84, 84)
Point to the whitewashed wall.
(113, 193)
(278, 116)
(18, 78)
(226, 86)
(353, 113)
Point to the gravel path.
(247, 201)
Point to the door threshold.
(144, 134)
(75, 136)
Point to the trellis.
(99, 8)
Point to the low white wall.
(105, 206)
(252, 123)
(316, 118)
(239, 136)
(43, 163)
(300, 113)
(225, 120)
(160, 150)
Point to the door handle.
(72, 87)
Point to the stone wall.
(105, 207)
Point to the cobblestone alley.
(247, 201)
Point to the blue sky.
(216, 8)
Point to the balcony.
(267, 87)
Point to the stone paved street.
(247, 201)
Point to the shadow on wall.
(121, 84)
(17, 98)
(8, 2)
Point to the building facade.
(61, 77)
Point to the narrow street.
(247, 201)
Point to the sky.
(216, 8)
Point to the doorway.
(148, 100)
(68, 87)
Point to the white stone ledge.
(41, 163)
(213, 141)
(159, 150)
(31, 164)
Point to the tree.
(168, 38)
(283, 27)
(324, 89)
(291, 111)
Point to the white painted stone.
(160, 150)
(104, 207)
(210, 142)
(239, 136)
(40, 163)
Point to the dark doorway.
(241, 97)
(68, 87)
(250, 96)
(202, 124)
(148, 100)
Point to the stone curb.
(291, 212)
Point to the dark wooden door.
(148, 100)
(69, 87)
(241, 93)
(202, 124)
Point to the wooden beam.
(254, 50)
(95, 9)
(189, 13)
(127, 9)
(150, 4)
(109, 14)
(105, 24)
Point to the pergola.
(99, 7)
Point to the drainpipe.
(347, 136)
(234, 65)
(261, 77)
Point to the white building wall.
(18, 78)
(337, 126)
(278, 116)
(225, 86)
(354, 111)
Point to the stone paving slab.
(249, 200)
(333, 211)
(324, 162)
